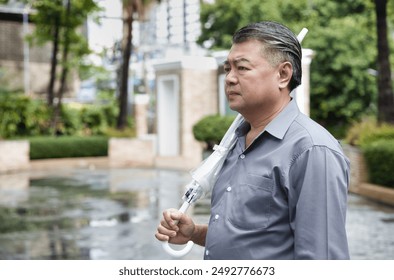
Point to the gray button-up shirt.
(284, 197)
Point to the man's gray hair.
(279, 45)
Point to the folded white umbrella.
(204, 178)
(205, 175)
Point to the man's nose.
(231, 78)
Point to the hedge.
(379, 156)
(68, 146)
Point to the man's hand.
(175, 227)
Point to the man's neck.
(258, 122)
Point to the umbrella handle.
(184, 251)
(177, 253)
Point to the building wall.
(199, 99)
(13, 54)
(197, 78)
(12, 59)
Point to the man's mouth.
(231, 94)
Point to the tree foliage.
(342, 90)
(59, 22)
(340, 34)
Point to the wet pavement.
(370, 228)
(112, 214)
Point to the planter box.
(14, 155)
(358, 167)
(377, 193)
(359, 178)
(131, 152)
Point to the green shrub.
(368, 131)
(93, 120)
(111, 112)
(379, 156)
(379, 133)
(21, 116)
(211, 129)
(37, 118)
(70, 121)
(68, 146)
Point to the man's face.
(252, 83)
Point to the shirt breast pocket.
(251, 203)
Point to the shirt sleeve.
(318, 186)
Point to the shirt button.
(217, 217)
(229, 189)
(242, 156)
(206, 252)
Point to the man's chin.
(234, 107)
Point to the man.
(282, 191)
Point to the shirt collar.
(279, 125)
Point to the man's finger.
(171, 218)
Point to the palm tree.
(130, 8)
(385, 89)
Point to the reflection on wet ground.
(86, 214)
(113, 213)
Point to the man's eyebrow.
(237, 60)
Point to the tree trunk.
(126, 52)
(63, 78)
(52, 78)
(385, 90)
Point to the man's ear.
(285, 72)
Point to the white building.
(169, 29)
(172, 24)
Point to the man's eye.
(242, 68)
(227, 69)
